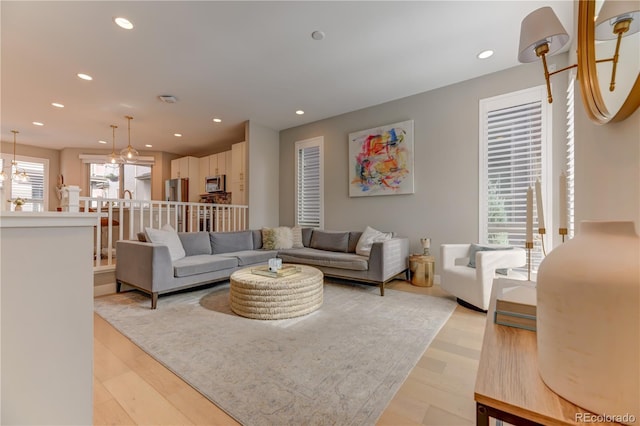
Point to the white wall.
(445, 203)
(608, 169)
(263, 169)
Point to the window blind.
(570, 159)
(34, 189)
(309, 199)
(512, 145)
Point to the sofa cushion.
(169, 237)
(257, 239)
(201, 264)
(227, 242)
(195, 243)
(315, 257)
(331, 241)
(251, 257)
(368, 237)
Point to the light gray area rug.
(340, 365)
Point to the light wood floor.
(131, 388)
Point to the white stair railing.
(123, 219)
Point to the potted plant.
(18, 202)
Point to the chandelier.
(113, 157)
(129, 154)
(17, 175)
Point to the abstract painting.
(381, 160)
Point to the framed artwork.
(381, 160)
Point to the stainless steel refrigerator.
(178, 190)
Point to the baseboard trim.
(104, 289)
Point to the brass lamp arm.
(542, 51)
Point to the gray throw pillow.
(228, 242)
(195, 243)
(330, 241)
(354, 237)
(476, 248)
(306, 236)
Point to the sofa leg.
(381, 289)
(118, 286)
(154, 300)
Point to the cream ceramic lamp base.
(589, 319)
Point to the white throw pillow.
(169, 237)
(283, 237)
(368, 237)
(296, 231)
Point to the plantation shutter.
(513, 146)
(33, 189)
(571, 164)
(309, 184)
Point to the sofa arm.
(147, 266)
(388, 258)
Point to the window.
(309, 183)
(112, 180)
(570, 160)
(514, 153)
(34, 190)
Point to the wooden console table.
(508, 385)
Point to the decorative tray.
(282, 272)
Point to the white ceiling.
(234, 60)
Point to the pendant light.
(113, 157)
(17, 175)
(129, 154)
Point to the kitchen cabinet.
(188, 167)
(185, 167)
(213, 165)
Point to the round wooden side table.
(422, 268)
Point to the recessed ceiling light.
(317, 35)
(217, 120)
(37, 123)
(85, 76)
(149, 145)
(102, 142)
(123, 23)
(57, 105)
(299, 112)
(177, 135)
(485, 54)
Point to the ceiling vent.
(168, 99)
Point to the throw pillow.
(476, 248)
(284, 237)
(195, 243)
(169, 237)
(278, 238)
(330, 241)
(368, 237)
(268, 239)
(297, 237)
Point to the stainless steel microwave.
(215, 184)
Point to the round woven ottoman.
(259, 297)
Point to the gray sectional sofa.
(211, 257)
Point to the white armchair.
(470, 285)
